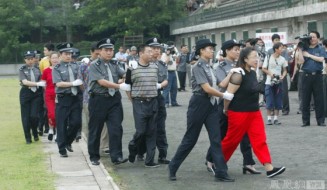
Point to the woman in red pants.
(244, 115)
(50, 94)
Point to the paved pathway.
(76, 172)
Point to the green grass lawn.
(22, 166)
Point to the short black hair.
(324, 42)
(141, 48)
(316, 32)
(49, 46)
(274, 36)
(277, 45)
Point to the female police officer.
(68, 107)
(30, 96)
(202, 110)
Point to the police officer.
(203, 109)
(105, 103)
(30, 96)
(143, 78)
(68, 107)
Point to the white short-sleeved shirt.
(276, 66)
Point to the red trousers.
(251, 123)
(51, 107)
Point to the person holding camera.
(312, 58)
(275, 68)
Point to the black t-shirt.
(246, 98)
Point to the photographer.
(170, 92)
(312, 58)
(275, 68)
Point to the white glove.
(158, 86)
(40, 84)
(125, 87)
(132, 64)
(237, 70)
(77, 82)
(228, 96)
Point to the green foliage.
(26, 22)
(125, 17)
(21, 166)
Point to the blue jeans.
(171, 88)
(274, 96)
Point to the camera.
(275, 80)
(304, 41)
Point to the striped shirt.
(143, 80)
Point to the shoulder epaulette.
(222, 64)
(97, 62)
(22, 67)
(114, 62)
(57, 66)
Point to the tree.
(125, 17)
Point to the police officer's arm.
(210, 90)
(233, 86)
(56, 78)
(128, 80)
(23, 79)
(108, 84)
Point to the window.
(222, 37)
(213, 38)
(189, 43)
(324, 29)
(183, 41)
(274, 29)
(258, 30)
(245, 35)
(233, 35)
(196, 38)
(312, 26)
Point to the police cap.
(29, 54)
(153, 42)
(65, 47)
(202, 44)
(106, 43)
(229, 44)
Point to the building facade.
(242, 19)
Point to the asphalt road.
(301, 150)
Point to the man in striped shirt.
(143, 78)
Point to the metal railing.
(243, 8)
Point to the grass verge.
(21, 166)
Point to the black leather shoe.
(120, 161)
(247, 169)
(322, 124)
(163, 161)
(28, 142)
(225, 178)
(175, 105)
(36, 139)
(69, 148)
(285, 113)
(172, 175)
(152, 165)
(305, 125)
(50, 137)
(95, 162)
(140, 158)
(275, 171)
(64, 155)
(210, 169)
(40, 132)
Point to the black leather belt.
(144, 99)
(65, 94)
(313, 73)
(200, 94)
(102, 94)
